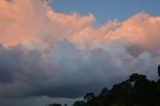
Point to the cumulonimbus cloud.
(46, 53)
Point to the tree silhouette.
(104, 92)
(79, 103)
(55, 104)
(137, 90)
(159, 70)
(89, 96)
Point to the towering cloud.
(32, 21)
(46, 53)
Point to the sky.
(105, 10)
(57, 50)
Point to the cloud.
(30, 22)
(65, 71)
(46, 53)
(133, 30)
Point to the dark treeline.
(137, 90)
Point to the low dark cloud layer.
(65, 71)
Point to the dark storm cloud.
(65, 71)
(9, 0)
(7, 65)
(15, 61)
(135, 50)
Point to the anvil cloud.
(46, 53)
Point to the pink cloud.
(31, 22)
(140, 29)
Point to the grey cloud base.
(66, 71)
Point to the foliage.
(55, 104)
(137, 90)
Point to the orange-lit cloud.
(31, 22)
(141, 29)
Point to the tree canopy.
(137, 90)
